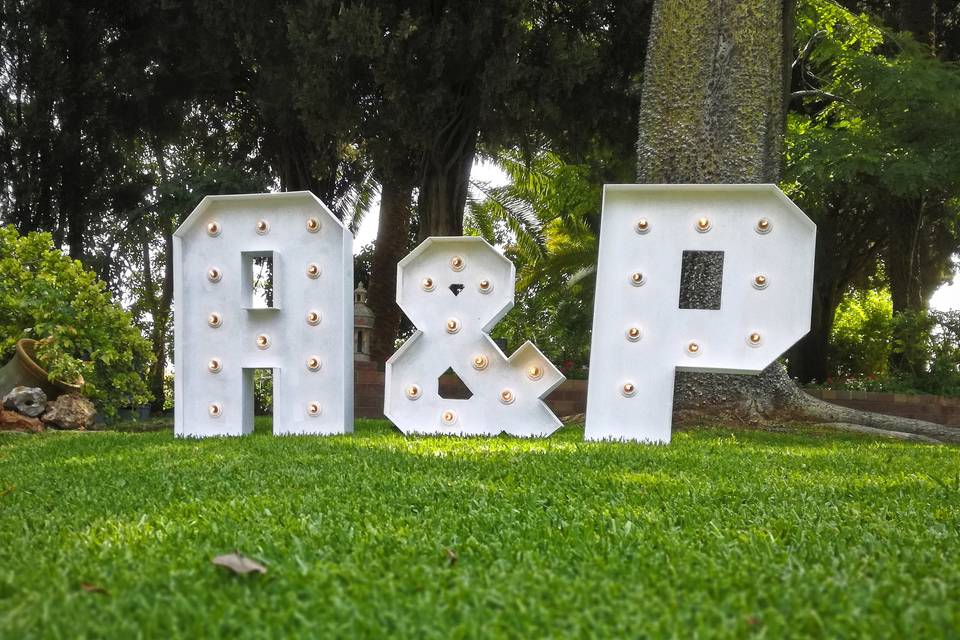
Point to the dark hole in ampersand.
(451, 387)
(701, 280)
(456, 289)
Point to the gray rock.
(70, 411)
(30, 401)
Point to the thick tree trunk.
(712, 107)
(445, 178)
(808, 359)
(712, 111)
(392, 237)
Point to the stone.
(13, 421)
(70, 411)
(30, 401)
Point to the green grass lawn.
(723, 533)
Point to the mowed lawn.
(724, 533)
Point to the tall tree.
(713, 107)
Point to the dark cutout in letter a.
(701, 280)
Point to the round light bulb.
(263, 341)
(637, 279)
(480, 362)
(628, 389)
(263, 227)
(213, 274)
(763, 226)
(213, 229)
(633, 334)
(693, 348)
(413, 392)
(313, 270)
(457, 263)
(506, 396)
(427, 284)
(214, 320)
(214, 366)
(313, 363)
(453, 325)
(313, 409)
(215, 410)
(703, 225)
(448, 417)
(313, 318)
(313, 225)
(535, 372)
(485, 286)
(760, 282)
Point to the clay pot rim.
(26, 350)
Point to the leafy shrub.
(862, 330)
(49, 297)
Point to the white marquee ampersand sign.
(455, 290)
(302, 328)
(748, 243)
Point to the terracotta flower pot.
(23, 370)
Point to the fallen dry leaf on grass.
(89, 587)
(239, 564)
(451, 557)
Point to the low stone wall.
(945, 411)
(570, 398)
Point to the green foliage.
(47, 296)
(726, 534)
(546, 216)
(862, 329)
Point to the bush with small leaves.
(82, 332)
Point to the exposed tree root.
(772, 396)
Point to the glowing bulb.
(448, 417)
(763, 225)
(535, 372)
(485, 286)
(506, 396)
(313, 270)
(693, 348)
(263, 341)
(760, 282)
(637, 279)
(480, 362)
(643, 226)
(263, 227)
(313, 225)
(703, 225)
(427, 284)
(453, 325)
(214, 320)
(313, 409)
(313, 363)
(213, 229)
(754, 339)
(214, 366)
(457, 263)
(633, 334)
(214, 410)
(413, 392)
(629, 389)
(313, 318)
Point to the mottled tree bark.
(392, 236)
(713, 111)
(712, 107)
